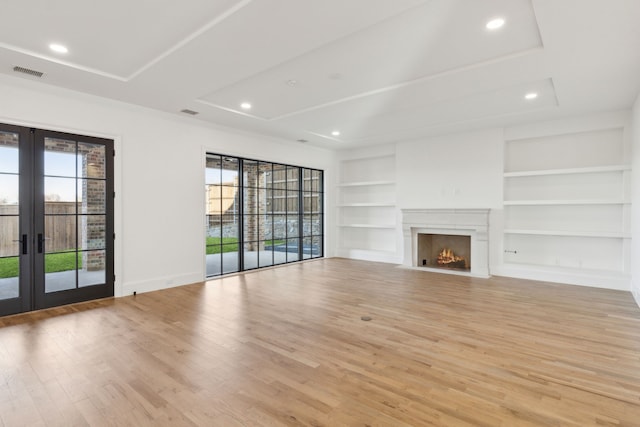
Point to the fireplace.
(452, 241)
(444, 251)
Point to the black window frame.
(284, 198)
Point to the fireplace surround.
(454, 222)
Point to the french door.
(56, 218)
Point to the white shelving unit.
(366, 183)
(614, 168)
(566, 208)
(617, 235)
(367, 214)
(565, 202)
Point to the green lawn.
(213, 245)
(65, 261)
(53, 263)
(61, 262)
(8, 267)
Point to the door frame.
(31, 214)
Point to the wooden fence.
(59, 225)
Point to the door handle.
(41, 240)
(23, 242)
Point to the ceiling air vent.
(190, 112)
(28, 71)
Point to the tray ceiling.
(376, 71)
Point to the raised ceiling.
(378, 71)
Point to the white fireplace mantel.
(462, 222)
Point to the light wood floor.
(287, 347)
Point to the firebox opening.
(447, 251)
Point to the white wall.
(635, 209)
(159, 175)
(453, 171)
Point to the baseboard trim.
(635, 291)
(594, 279)
(159, 283)
(370, 255)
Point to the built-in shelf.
(596, 169)
(560, 192)
(565, 202)
(577, 276)
(573, 270)
(603, 234)
(366, 183)
(368, 204)
(366, 207)
(381, 226)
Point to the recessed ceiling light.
(495, 23)
(531, 95)
(335, 133)
(245, 106)
(58, 48)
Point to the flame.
(446, 256)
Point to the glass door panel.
(91, 196)
(73, 217)
(60, 239)
(222, 215)
(10, 234)
(213, 199)
(75, 214)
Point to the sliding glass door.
(222, 192)
(56, 218)
(260, 214)
(312, 213)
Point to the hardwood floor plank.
(287, 347)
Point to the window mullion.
(241, 215)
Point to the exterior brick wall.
(254, 224)
(93, 226)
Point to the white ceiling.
(377, 70)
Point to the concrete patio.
(59, 281)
